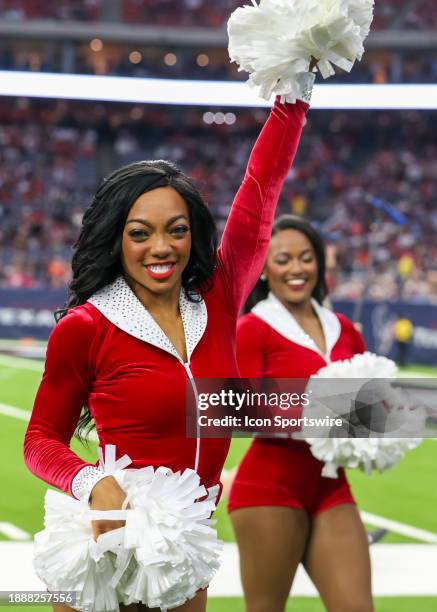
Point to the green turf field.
(298, 604)
(407, 494)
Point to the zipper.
(196, 396)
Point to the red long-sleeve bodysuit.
(283, 472)
(135, 388)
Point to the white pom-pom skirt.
(167, 550)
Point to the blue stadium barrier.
(29, 313)
(378, 319)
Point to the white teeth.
(296, 282)
(159, 269)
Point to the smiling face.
(156, 243)
(291, 268)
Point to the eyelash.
(137, 233)
(179, 231)
(285, 262)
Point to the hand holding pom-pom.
(156, 543)
(106, 495)
(275, 41)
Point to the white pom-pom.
(176, 549)
(275, 41)
(397, 424)
(363, 365)
(367, 455)
(68, 559)
(166, 552)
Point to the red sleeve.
(61, 395)
(250, 347)
(245, 240)
(357, 340)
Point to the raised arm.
(62, 393)
(245, 240)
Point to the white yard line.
(13, 532)
(372, 519)
(378, 521)
(16, 413)
(401, 528)
(397, 570)
(20, 363)
(24, 415)
(8, 373)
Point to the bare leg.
(271, 542)
(338, 562)
(198, 604)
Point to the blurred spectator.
(171, 61)
(408, 14)
(403, 334)
(52, 155)
(75, 10)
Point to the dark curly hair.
(285, 222)
(97, 253)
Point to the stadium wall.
(378, 319)
(28, 313)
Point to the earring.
(263, 277)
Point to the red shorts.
(285, 473)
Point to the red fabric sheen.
(283, 472)
(135, 391)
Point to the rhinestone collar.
(119, 304)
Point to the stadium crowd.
(400, 14)
(175, 62)
(75, 10)
(104, 57)
(53, 154)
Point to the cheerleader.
(151, 306)
(278, 492)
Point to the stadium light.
(206, 93)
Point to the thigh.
(197, 604)
(271, 542)
(337, 560)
